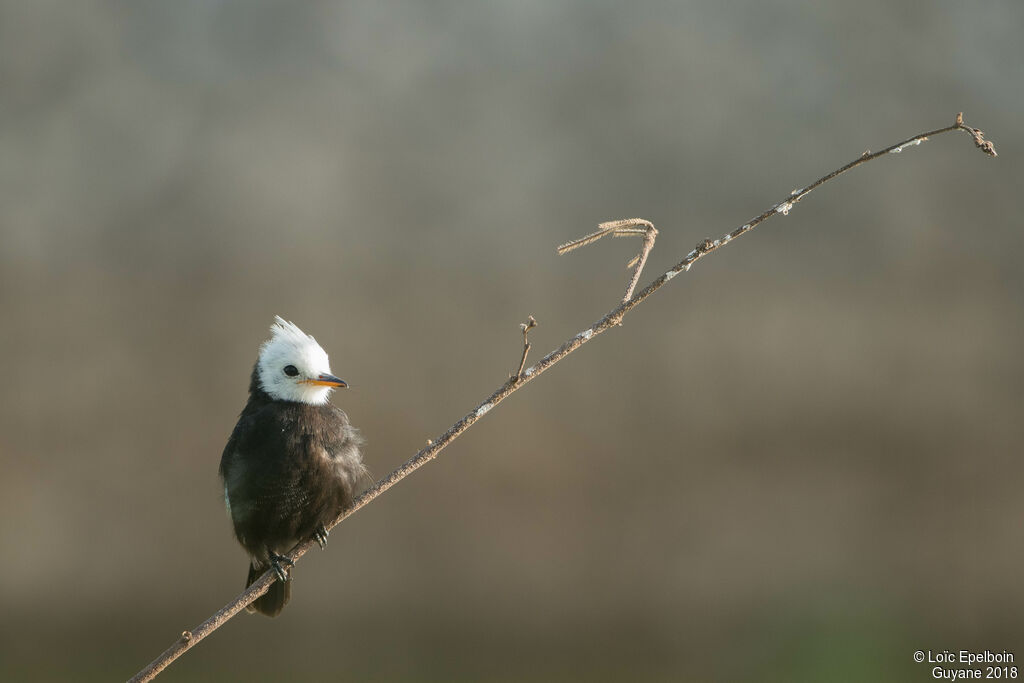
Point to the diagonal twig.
(524, 376)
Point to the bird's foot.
(320, 536)
(278, 563)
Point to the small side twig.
(621, 228)
(630, 226)
(526, 327)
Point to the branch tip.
(980, 142)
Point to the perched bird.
(293, 460)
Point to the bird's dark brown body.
(288, 468)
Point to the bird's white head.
(293, 367)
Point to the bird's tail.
(273, 601)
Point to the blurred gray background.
(799, 462)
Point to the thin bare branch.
(611, 319)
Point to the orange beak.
(326, 380)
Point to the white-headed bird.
(293, 461)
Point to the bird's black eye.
(290, 370)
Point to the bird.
(293, 460)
